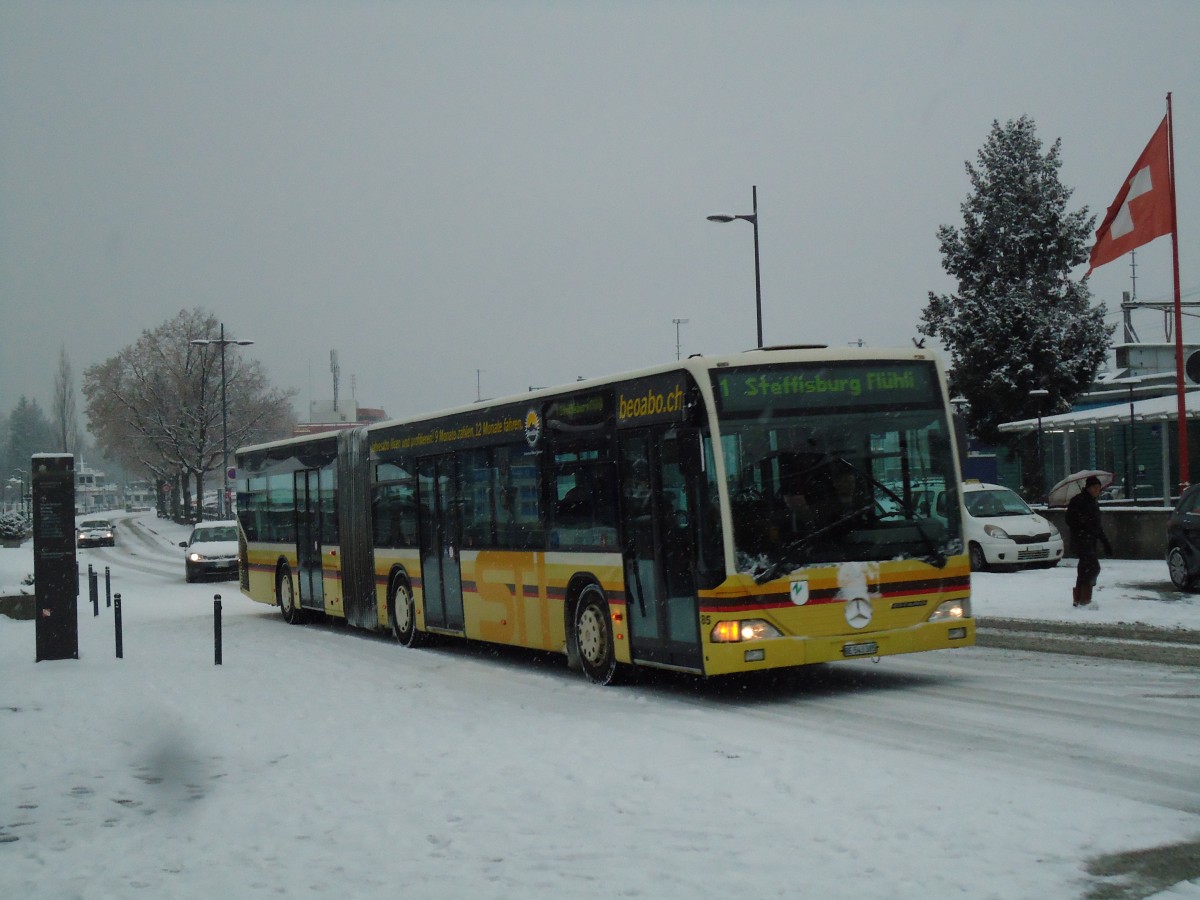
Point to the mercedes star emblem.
(858, 612)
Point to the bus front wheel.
(285, 593)
(594, 637)
(402, 611)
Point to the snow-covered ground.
(324, 761)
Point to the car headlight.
(951, 609)
(195, 557)
(743, 630)
(995, 531)
(1053, 530)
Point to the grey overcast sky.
(521, 188)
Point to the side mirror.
(183, 543)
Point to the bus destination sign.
(828, 385)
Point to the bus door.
(308, 539)
(659, 546)
(439, 527)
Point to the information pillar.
(55, 575)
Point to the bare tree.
(66, 417)
(156, 405)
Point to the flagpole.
(1181, 403)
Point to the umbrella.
(1061, 493)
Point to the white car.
(1001, 530)
(212, 549)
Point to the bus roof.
(698, 365)
(300, 440)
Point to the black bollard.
(216, 629)
(117, 621)
(107, 587)
(93, 591)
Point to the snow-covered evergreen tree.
(13, 527)
(29, 432)
(1018, 321)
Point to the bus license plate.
(868, 649)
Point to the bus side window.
(585, 497)
(574, 490)
(476, 490)
(394, 505)
(281, 515)
(584, 492)
(516, 487)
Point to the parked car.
(95, 533)
(1183, 540)
(1001, 530)
(211, 549)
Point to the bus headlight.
(951, 609)
(743, 630)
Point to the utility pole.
(678, 322)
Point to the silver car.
(95, 533)
(212, 549)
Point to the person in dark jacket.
(1083, 518)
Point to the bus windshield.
(820, 485)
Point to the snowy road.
(321, 760)
(1130, 727)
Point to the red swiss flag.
(1142, 210)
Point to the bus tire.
(285, 595)
(402, 614)
(594, 636)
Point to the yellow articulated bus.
(716, 515)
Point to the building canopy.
(1155, 409)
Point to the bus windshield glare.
(837, 464)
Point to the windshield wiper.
(787, 556)
(936, 557)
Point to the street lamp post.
(1130, 455)
(1040, 394)
(753, 220)
(222, 500)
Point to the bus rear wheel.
(594, 637)
(285, 594)
(402, 612)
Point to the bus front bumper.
(788, 652)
